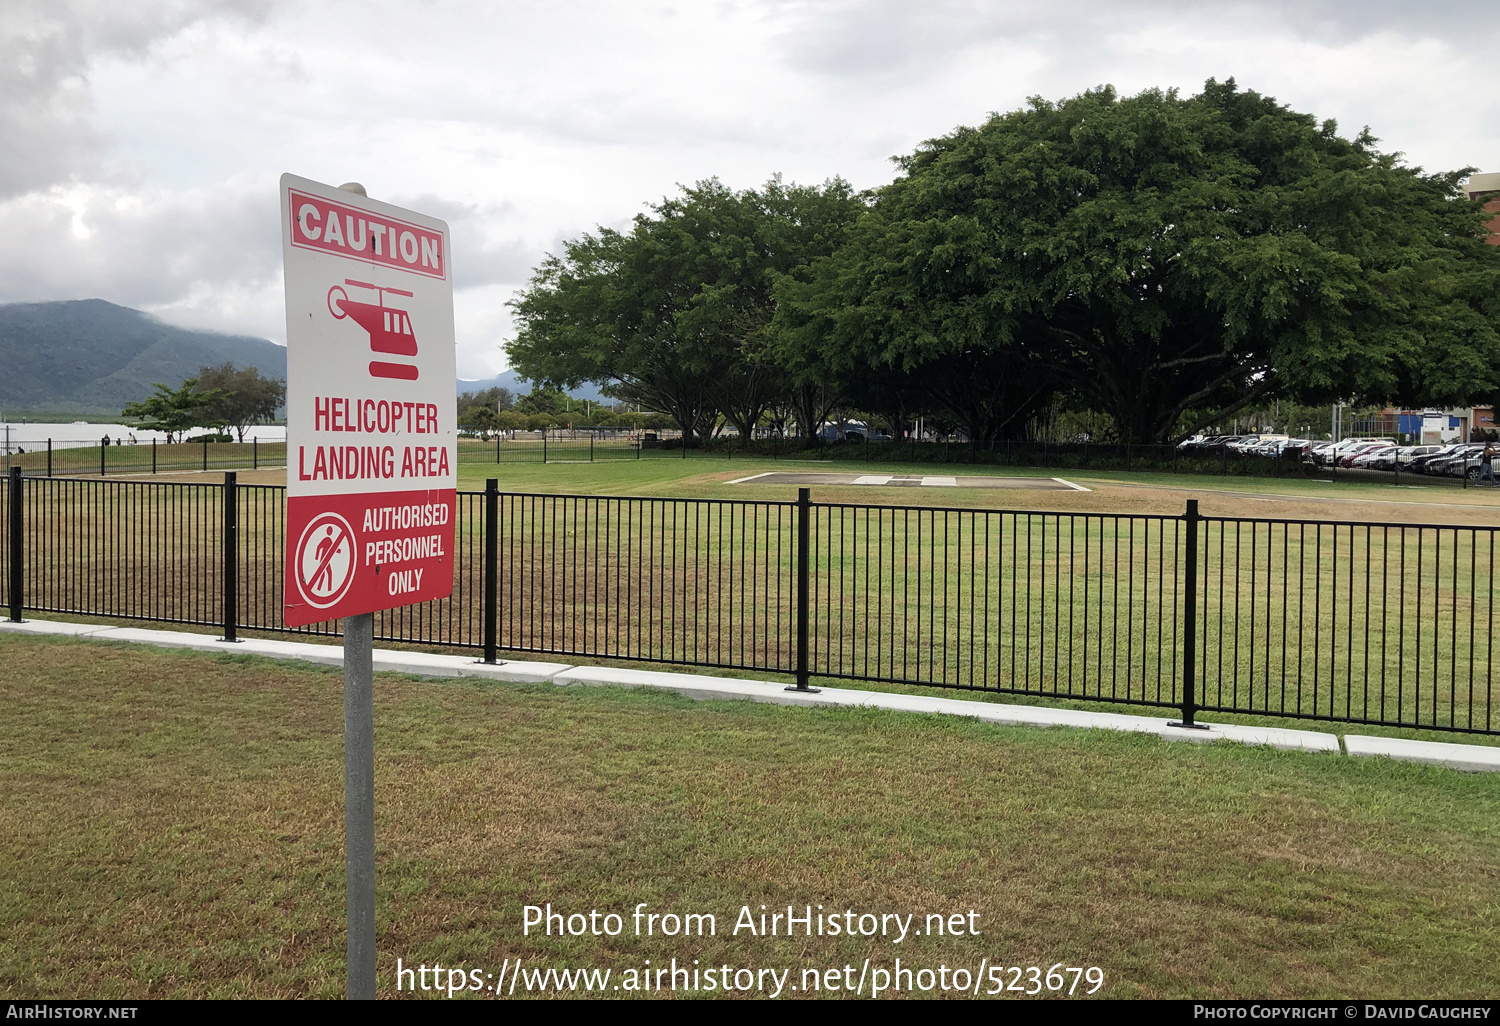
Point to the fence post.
(205, 454)
(1190, 623)
(17, 539)
(103, 445)
(544, 445)
(231, 540)
(49, 457)
(153, 455)
(255, 454)
(591, 447)
(491, 566)
(497, 448)
(804, 536)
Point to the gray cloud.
(149, 250)
(479, 257)
(46, 49)
(892, 40)
(140, 143)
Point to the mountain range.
(86, 357)
(519, 386)
(89, 357)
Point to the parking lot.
(1460, 461)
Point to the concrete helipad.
(912, 481)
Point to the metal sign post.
(371, 460)
(359, 802)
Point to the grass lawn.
(170, 824)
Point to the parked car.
(1411, 452)
(1355, 451)
(1388, 459)
(1453, 461)
(1333, 452)
(1464, 463)
(1421, 464)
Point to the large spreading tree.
(676, 314)
(1156, 255)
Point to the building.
(1425, 427)
(1484, 420)
(1486, 187)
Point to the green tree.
(1158, 254)
(481, 420)
(543, 399)
(495, 399)
(245, 397)
(675, 315)
(174, 411)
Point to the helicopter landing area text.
(374, 416)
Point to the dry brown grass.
(170, 826)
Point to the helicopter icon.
(389, 328)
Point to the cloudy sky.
(141, 141)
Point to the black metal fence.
(64, 459)
(603, 445)
(44, 458)
(1041, 454)
(1352, 622)
(586, 445)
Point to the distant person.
(104, 441)
(1487, 466)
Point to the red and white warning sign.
(370, 403)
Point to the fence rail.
(1352, 622)
(62, 459)
(71, 459)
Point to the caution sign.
(371, 428)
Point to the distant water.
(32, 437)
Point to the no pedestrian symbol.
(325, 560)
